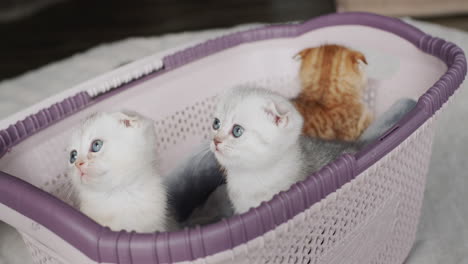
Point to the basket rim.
(101, 244)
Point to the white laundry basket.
(362, 208)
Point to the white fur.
(266, 159)
(121, 187)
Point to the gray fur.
(200, 182)
(190, 184)
(317, 153)
(215, 208)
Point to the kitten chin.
(114, 170)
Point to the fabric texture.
(443, 231)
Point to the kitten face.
(107, 150)
(251, 126)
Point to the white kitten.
(112, 163)
(256, 141)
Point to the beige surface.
(405, 7)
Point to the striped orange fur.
(330, 101)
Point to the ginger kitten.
(333, 80)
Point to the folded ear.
(358, 61)
(128, 118)
(278, 113)
(301, 54)
(359, 57)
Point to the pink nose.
(80, 163)
(216, 141)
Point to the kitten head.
(110, 149)
(252, 127)
(332, 60)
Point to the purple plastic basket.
(362, 208)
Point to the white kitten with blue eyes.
(256, 141)
(112, 164)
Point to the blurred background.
(37, 32)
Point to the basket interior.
(181, 101)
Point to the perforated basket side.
(40, 253)
(372, 219)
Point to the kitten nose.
(216, 141)
(79, 163)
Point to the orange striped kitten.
(333, 81)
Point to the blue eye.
(216, 124)
(73, 156)
(96, 145)
(237, 131)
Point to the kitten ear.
(359, 57)
(128, 119)
(301, 54)
(278, 113)
(358, 61)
